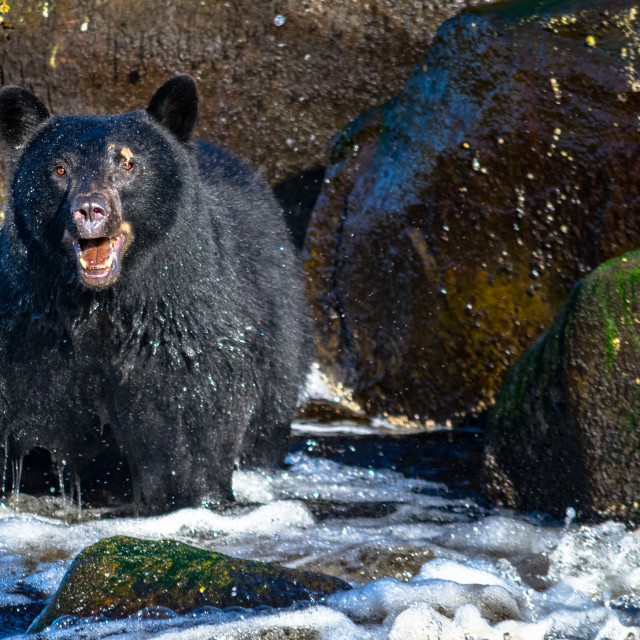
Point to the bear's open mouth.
(99, 258)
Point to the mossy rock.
(565, 430)
(455, 219)
(118, 576)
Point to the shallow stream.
(426, 560)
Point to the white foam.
(386, 598)
(320, 479)
(315, 385)
(420, 622)
(598, 560)
(328, 623)
(334, 428)
(474, 572)
(500, 536)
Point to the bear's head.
(88, 189)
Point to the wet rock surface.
(455, 218)
(401, 563)
(564, 430)
(277, 80)
(120, 576)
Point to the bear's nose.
(89, 213)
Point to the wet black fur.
(195, 355)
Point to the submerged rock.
(455, 218)
(120, 576)
(565, 430)
(366, 563)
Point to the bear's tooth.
(109, 261)
(83, 263)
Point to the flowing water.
(426, 560)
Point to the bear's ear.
(20, 114)
(175, 106)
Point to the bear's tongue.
(96, 253)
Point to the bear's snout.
(90, 213)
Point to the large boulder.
(455, 218)
(565, 429)
(277, 80)
(119, 576)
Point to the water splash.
(5, 464)
(16, 476)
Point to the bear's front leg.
(180, 446)
(164, 481)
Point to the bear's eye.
(61, 171)
(128, 165)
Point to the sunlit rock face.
(455, 218)
(564, 430)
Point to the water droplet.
(203, 611)
(279, 20)
(64, 622)
(155, 613)
(569, 517)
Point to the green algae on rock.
(118, 576)
(455, 218)
(565, 429)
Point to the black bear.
(147, 282)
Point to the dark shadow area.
(39, 474)
(297, 196)
(453, 458)
(16, 618)
(450, 457)
(104, 475)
